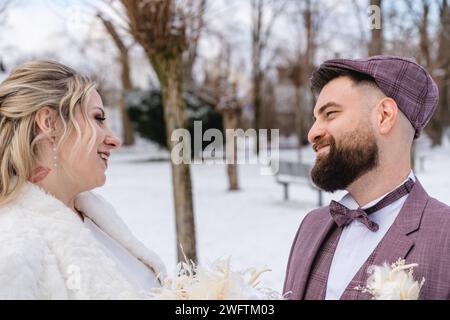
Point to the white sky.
(58, 28)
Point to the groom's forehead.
(338, 93)
(347, 94)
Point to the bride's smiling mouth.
(104, 156)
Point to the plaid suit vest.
(317, 282)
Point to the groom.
(367, 115)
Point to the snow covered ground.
(254, 225)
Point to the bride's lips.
(104, 156)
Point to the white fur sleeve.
(21, 263)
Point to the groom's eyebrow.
(325, 107)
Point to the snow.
(254, 225)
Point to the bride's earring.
(55, 162)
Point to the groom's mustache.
(322, 143)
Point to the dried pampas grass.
(395, 282)
(213, 282)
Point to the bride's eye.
(100, 119)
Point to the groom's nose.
(316, 132)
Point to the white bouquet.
(395, 282)
(213, 282)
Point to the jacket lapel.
(105, 216)
(397, 242)
(309, 246)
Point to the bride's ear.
(46, 121)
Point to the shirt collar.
(351, 203)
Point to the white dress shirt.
(357, 242)
(135, 271)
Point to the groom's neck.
(378, 182)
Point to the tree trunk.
(169, 69)
(376, 42)
(197, 22)
(424, 38)
(299, 120)
(443, 64)
(257, 103)
(435, 127)
(257, 75)
(128, 132)
(306, 71)
(230, 121)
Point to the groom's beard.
(354, 155)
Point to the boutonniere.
(394, 282)
(216, 281)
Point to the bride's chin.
(99, 181)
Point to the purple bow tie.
(344, 216)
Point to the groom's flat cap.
(401, 79)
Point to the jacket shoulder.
(436, 215)
(313, 220)
(438, 206)
(316, 216)
(436, 219)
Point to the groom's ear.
(387, 113)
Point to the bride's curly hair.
(27, 89)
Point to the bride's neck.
(50, 181)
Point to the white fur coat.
(47, 253)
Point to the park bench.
(297, 173)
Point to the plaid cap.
(401, 79)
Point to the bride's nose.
(113, 141)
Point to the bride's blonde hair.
(27, 89)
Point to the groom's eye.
(330, 113)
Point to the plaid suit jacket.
(420, 234)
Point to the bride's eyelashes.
(100, 119)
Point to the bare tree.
(128, 132)
(231, 110)
(305, 18)
(160, 28)
(362, 25)
(305, 62)
(424, 53)
(261, 32)
(194, 30)
(220, 86)
(441, 71)
(424, 46)
(443, 59)
(4, 4)
(376, 41)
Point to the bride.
(58, 239)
